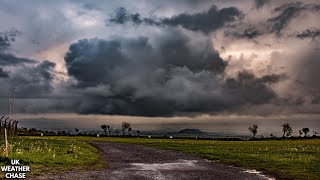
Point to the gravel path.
(137, 162)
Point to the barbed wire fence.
(8, 125)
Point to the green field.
(284, 159)
(51, 154)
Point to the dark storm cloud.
(287, 12)
(252, 89)
(309, 33)
(6, 37)
(206, 22)
(248, 33)
(5, 42)
(171, 69)
(33, 81)
(3, 74)
(29, 77)
(173, 50)
(122, 16)
(260, 3)
(10, 59)
(161, 75)
(7, 59)
(34, 88)
(26, 79)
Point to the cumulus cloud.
(165, 60)
(161, 75)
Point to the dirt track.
(129, 161)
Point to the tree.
(254, 130)
(77, 130)
(305, 131)
(125, 126)
(129, 130)
(117, 131)
(104, 127)
(138, 132)
(271, 135)
(300, 133)
(286, 129)
(109, 128)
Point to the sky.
(148, 58)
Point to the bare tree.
(254, 130)
(305, 131)
(286, 129)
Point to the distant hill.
(191, 131)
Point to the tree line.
(125, 127)
(286, 130)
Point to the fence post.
(6, 141)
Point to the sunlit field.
(283, 159)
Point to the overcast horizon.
(153, 62)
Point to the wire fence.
(8, 128)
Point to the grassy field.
(285, 159)
(51, 154)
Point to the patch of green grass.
(51, 154)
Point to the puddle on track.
(178, 165)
